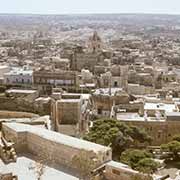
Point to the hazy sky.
(89, 6)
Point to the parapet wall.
(118, 171)
(60, 149)
(50, 150)
(16, 114)
(18, 137)
(56, 147)
(22, 104)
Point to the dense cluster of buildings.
(133, 80)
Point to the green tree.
(172, 147)
(133, 156)
(140, 160)
(147, 165)
(139, 134)
(117, 135)
(177, 138)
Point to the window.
(99, 111)
(107, 153)
(159, 134)
(114, 171)
(115, 84)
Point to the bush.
(119, 136)
(140, 160)
(147, 165)
(133, 156)
(172, 147)
(177, 138)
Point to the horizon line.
(91, 13)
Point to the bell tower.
(95, 43)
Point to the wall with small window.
(118, 171)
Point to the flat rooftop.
(24, 168)
(81, 95)
(107, 91)
(173, 114)
(58, 137)
(136, 118)
(23, 91)
(91, 85)
(70, 100)
(160, 106)
(121, 166)
(129, 116)
(20, 71)
(4, 67)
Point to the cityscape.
(89, 96)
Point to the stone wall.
(19, 138)
(160, 131)
(140, 89)
(50, 150)
(68, 112)
(15, 114)
(131, 107)
(119, 171)
(85, 60)
(103, 103)
(21, 104)
(54, 147)
(71, 130)
(13, 104)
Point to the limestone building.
(46, 79)
(75, 157)
(70, 114)
(60, 148)
(95, 43)
(104, 99)
(19, 75)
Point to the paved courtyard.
(25, 169)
